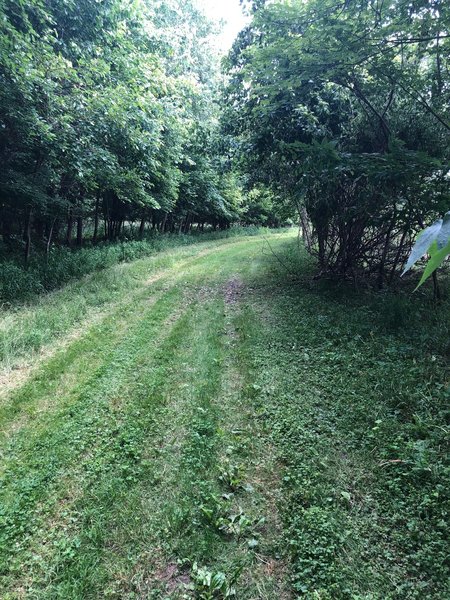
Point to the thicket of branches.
(343, 108)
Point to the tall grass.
(91, 281)
(20, 284)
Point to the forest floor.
(203, 423)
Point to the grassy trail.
(121, 443)
(199, 424)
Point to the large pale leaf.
(423, 243)
(437, 257)
(443, 237)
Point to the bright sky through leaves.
(231, 13)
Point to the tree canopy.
(108, 113)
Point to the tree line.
(115, 118)
(108, 121)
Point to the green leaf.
(437, 257)
(423, 244)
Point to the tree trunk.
(142, 227)
(306, 228)
(27, 236)
(187, 223)
(321, 242)
(163, 226)
(436, 289)
(79, 231)
(97, 203)
(397, 256)
(381, 267)
(69, 228)
(49, 238)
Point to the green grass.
(44, 273)
(26, 329)
(216, 426)
(356, 402)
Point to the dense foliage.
(342, 107)
(107, 118)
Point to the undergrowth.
(20, 283)
(117, 273)
(353, 389)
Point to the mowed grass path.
(201, 424)
(126, 446)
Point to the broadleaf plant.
(435, 241)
